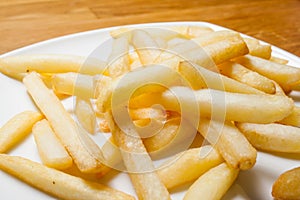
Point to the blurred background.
(24, 22)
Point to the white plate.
(252, 184)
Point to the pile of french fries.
(205, 100)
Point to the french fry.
(279, 60)
(145, 122)
(235, 108)
(51, 151)
(175, 41)
(284, 75)
(134, 60)
(226, 49)
(295, 87)
(188, 166)
(213, 184)
(112, 155)
(138, 163)
(145, 100)
(152, 78)
(50, 63)
(119, 32)
(85, 153)
(146, 47)
(73, 84)
(212, 37)
(293, 119)
(278, 90)
(197, 31)
(104, 126)
(85, 114)
(155, 144)
(161, 34)
(165, 33)
(57, 183)
(17, 128)
(249, 77)
(257, 49)
(199, 78)
(118, 60)
(163, 137)
(209, 55)
(272, 137)
(287, 186)
(182, 30)
(144, 113)
(230, 142)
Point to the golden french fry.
(73, 84)
(104, 126)
(182, 30)
(144, 122)
(175, 41)
(236, 107)
(181, 51)
(50, 63)
(155, 144)
(230, 142)
(286, 76)
(249, 77)
(118, 61)
(197, 31)
(188, 166)
(295, 87)
(51, 151)
(112, 155)
(287, 186)
(212, 37)
(293, 119)
(163, 137)
(213, 184)
(272, 137)
(144, 113)
(152, 78)
(226, 49)
(146, 47)
(207, 56)
(138, 163)
(85, 153)
(199, 78)
(165, 33)
(85, 114)
(279, 60)
(57, 183)
(134, 60)
(257, 49)
(120, 32)
(278, 89)
(145, 100)
(17, 128)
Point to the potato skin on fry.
(287, 186)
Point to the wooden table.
(23, 22)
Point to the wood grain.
(24, 22)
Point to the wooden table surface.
(24, 22)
